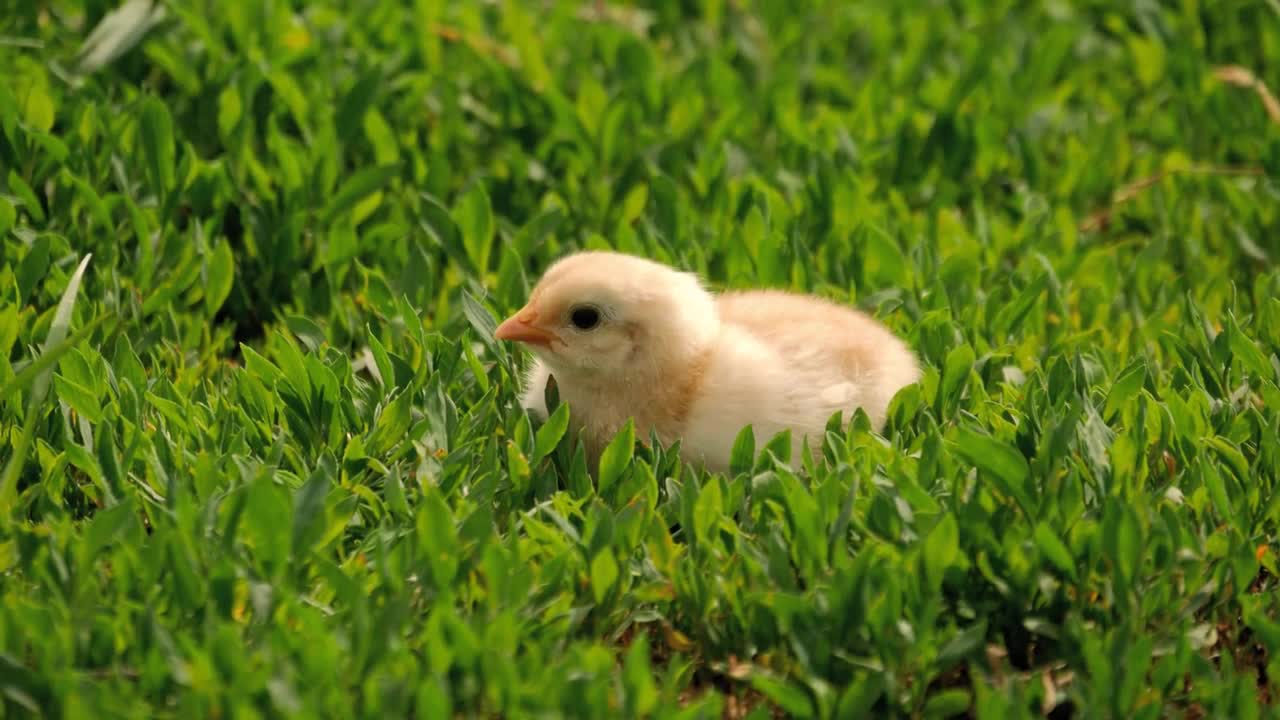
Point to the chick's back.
(788, 360)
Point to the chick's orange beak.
(522, 327)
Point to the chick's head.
(603, 315)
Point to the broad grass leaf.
(167, 297)
(346, 589)
(1149, 57)
(309, 505)
(1052, 547)
(1244, 564)
(155, 130)
(511, 289)
(793, 700)
(1217, 487)
(342, 244)
(27, 376)
(743, 456)
(1010, 316)
(293, 368)
(266, 522)
(393, 489)
(392, 425)
(707, 510)
(962, 645)
(752, 232)
(1232, 456)
(481, 319)
(260, 367)
(80, 398)
(948, 703)
(884, 258)
(1126, 386)
(174, 413)
(474, 217)
(386, 148)
(779, 447)
(219, 277)
(478, 529)
(604, 573)
(105, 526)
(551, 432)
(600, 528)
(308, 332)
(96, 207)
(955, 374)
(616, 457)
(664, 207)
(860, 696)
(355, 104)
(8, 216)
(1097, 438)
(386, 372)
(551, 394)
(439, 225)
(633, 204)
(534, 233)
(1122, 542)
(188, 581)
(977, 70)
(291, 94)
(230, 110)
(33, 267)
(359, 186)
(288, 157)
(1267, 629)
(37, 107)
(1136, 660)
(836, 538)
(39, 389)
(433, 699)
(8, 110)
(53, 146)
(1001, 462)
(637, 679)
(437, 536)
(10, 325)
(29, 201)
(941, 549)
(519, 469)
(591, 103)
(84, 461)
(1247, 352)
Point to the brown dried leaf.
(1099, 219)
(1243, 77)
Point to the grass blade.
(25, 377)
(39, 388)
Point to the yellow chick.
(626, 337)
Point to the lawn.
(262, 456)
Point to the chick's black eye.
(584, 318)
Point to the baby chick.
(626, 338)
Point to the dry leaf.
(1243, 77)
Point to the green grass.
(263, 458)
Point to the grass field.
(262, 457)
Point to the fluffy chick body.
(698, 367)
